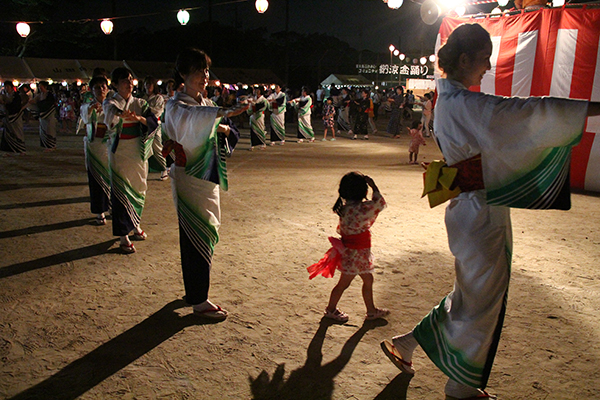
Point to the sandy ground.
(80, 320)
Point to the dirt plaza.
(78, 319)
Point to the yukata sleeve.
(84, 113)
(379, 203)
(151, 120)
(526, 150)
(234, 134)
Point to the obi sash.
(443, 182)
(333, 258)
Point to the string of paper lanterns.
(183, 16)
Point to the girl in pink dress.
(351, 254)
(417, 139)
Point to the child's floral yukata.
(352, 253)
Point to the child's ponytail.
(337, 207)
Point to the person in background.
(329, 119)
(156, 102)
(304, 104)
(46, 105)
(396, 102)
(258, 134)
(277, 105)
(96, 149)
(130, 123)
(13, 137)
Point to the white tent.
(346, 80)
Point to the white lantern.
(261, 5)
(396, 52)
(402, 57)
(432, 58)
(135, 82)
(183, 17)
(15, 83)
(33, 86)
(23, 29)
(423, 60)
(392, 47)
(558, 3)
(107, 26)
(502, 3)
(395, 4)
(496, 11)
(64, 83)
(460, 10)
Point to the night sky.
(364, 24)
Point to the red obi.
(180, 157)
(360, 241)
(333, 258)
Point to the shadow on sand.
(46, 228)
(16, 186)
(314, 380)
(46, 203)
(56, 259)
(85, 373)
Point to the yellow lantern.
(261, 5)
(107, 26)
(23, 29)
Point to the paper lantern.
(183, 17)
(23, 29)
(395, 4)
(107, 26)
(261, 5)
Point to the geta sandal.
(394, 355)
(140, 236)
(216, 314)
(127, 248)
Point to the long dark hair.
(466, 39)
(189, 61)
(353, 186)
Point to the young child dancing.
(352, 254)
(416, 139)
(329, 118)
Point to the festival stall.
(547, 52)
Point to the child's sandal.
(379, 313)
(336, 315)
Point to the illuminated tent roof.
(346, 80)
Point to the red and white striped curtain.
(549, 52)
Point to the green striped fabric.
(136, 200)
(202, 234)
(538, 188)
(199, 164)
